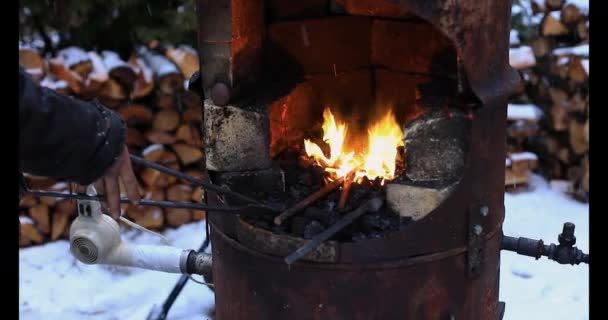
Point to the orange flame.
(379, 160)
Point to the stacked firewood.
(554, 64)
(164, 125)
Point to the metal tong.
(251, 203)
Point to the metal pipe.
(564, 253)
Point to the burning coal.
(377, 159)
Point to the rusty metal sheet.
(480, 33)
(252, 285)
(281, 245)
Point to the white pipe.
(158, 258)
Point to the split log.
(578, 137)
(179, 193)
(571, 14)
(187, 154)
(119, 70)
(585, 179)
(29, 230)
(156, 136)
(538, 6)
(154, 178)
(193, 114)
(77, 60)
(64, 210)
(37, 182)
(23, 241)
(577, 71)
(185, 58)
(155, 194)
(136, 114)
(61, 72)
(194, 173)
(168, 77)
(587, 131)
(135, 138)
(198, 215)
(191, 100)
(582, 30)
(177, 217)
(551, 26)
(554, 4)
(542, 46)
(197, 195)
(98, 75)
(165, 101)
(40, 215)
(145, 216)
(113, 91)
(57, 187)
(144, 83)
(563, 155)
(166, 120)
(189, 134)
(559, 117)
(558, 96)
(32, 63)
(28, 201)
(153, 152)
(110, 102)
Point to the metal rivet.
(477, 229)
(484, 211)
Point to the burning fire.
(378, 160)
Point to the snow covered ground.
(54, 286)
(544, 289)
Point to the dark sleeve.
(65, 138)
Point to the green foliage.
(521, 20)
(110, 24)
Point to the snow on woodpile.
(582, 50)
(523, 156)
(514, 38)
(585, 63)
(522, 57)
(73, 56)
(527, 112)
(583, 5)
(50, 83)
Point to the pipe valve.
(564, 253)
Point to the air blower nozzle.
(95, 239)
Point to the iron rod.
(371, 205)
(197, 182)
(312, 198)
(144, 202)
